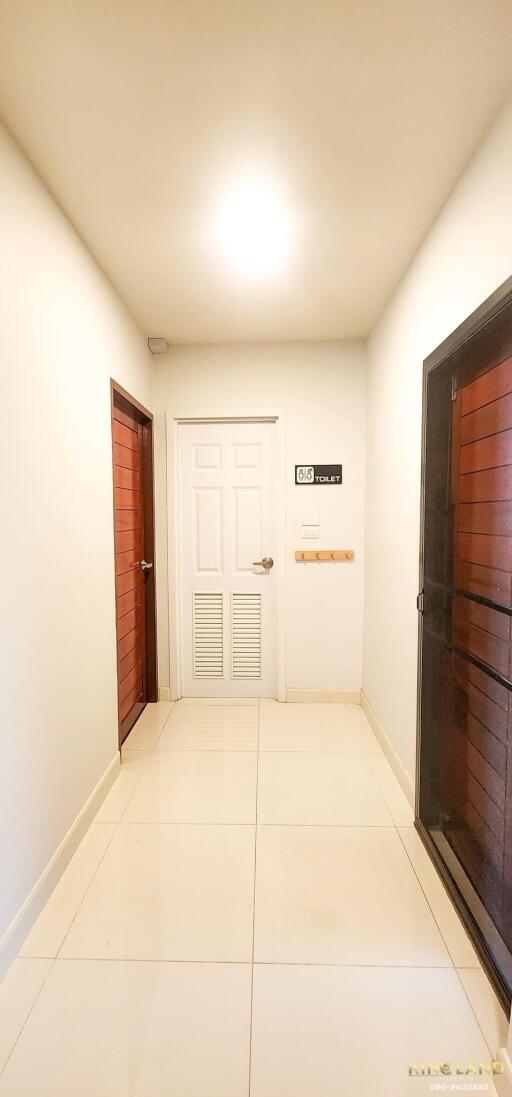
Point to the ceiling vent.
(158, 345)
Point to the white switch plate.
(310, 532)
(311, 520)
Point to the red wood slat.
(131, 620)
(126, 561)
(127, 519)
(495, 552)
(126, 644)
(487, 453)
(498, 624)
(127, 458)
(495, 518)
(492, 484)
(132, 681)
(469, 674)
(482, 645)
(128, 539)
(127, 478)
(125, 499)
(487, 420)
(488, 582)
(490, 386)
(125, 436)
(129, 701)
(130, 661)
(128, 581)
(486, 807)
(128, 602)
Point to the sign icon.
(304, 474)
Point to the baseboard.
(164, 693)
(393, 758)
(23, 921)
(324, 696)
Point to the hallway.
(186, 949)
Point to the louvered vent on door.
(246, 635)
(208, 633)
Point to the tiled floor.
(251, 912)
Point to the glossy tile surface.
(55, 918)
(352, 1032)
(169, 892)
(135, 1030)
(211, 727)
(301, 788)
(18, 992)
(328, 727)
(146, 732)
(341, 895)
(133, 763)
(486, 1007)
(362, 964)
(457, 941)
(196, 787)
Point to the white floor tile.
(368, 738)
(352, 1032)
(456, 939)
(132, 766)
(18, 992)
(315, 727)
(211, 727)
(166, 892)
(135, 1030)
(146, 732)
(224, 701)
(196, 787)
(310, 789)
(392, 791)
(341, 895)
(51, 926)
(486, 1007)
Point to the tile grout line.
(53, 959)
(254, 903)
(491, 1051)
(116, 826)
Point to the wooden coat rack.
(307, 555)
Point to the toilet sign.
(318, 474)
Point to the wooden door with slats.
(133, 527)
(481, 478)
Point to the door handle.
(145, 566)
(266, 563)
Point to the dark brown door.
(465, 757)
(134, 563)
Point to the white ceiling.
(138, 113)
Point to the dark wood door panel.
(486, 582)
(488, 486)
(486, 518)
(134, 541)
(490, 419)
(490, 386)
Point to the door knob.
(145, 566)
(266, 563)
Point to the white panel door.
(227, 514)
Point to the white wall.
(320, 388)
(63, 334)
(466, 256)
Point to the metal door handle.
(266, 563)
(145, 566)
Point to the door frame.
(490, 308)
(122, 399)
(174, 542)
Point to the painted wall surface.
(466, 256)
(320, 388)
(63, 333)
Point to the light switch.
(310, 532)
